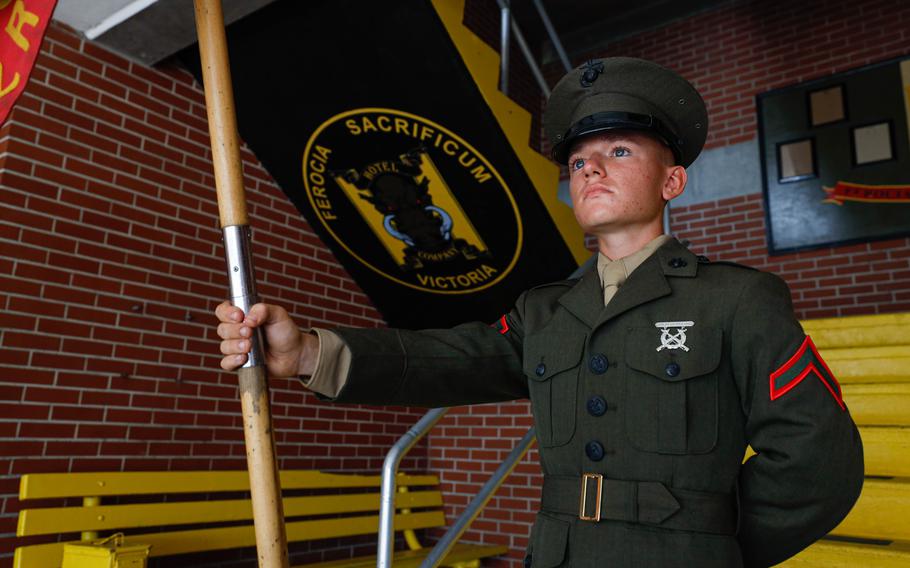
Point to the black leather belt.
(593, 498)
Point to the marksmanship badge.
(670, 340)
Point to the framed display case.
(836, 158)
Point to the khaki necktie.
(612, 277)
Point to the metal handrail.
(505, 18)
(508, 22)
(554, 37)
(476, 505)
(389, 471)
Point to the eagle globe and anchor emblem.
(400, 192)
(440, 217)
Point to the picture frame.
(852, 186)
(796, 160)
(827, 105)
(872, 143)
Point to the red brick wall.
(867, 278)
(110, 267)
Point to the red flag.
(22, 27)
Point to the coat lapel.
(649, 281)
(646, 283)
(586, 299)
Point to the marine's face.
(619, 180)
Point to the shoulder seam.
(729, 263)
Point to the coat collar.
(646, 283)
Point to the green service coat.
(663, 416)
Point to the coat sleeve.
(808, 467)
(468, 364)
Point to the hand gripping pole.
(268, 516)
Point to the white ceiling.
(85, 15)
(144, 30)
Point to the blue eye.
(620, 152)
(578, 164)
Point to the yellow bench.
(870, 356)
(323, 505)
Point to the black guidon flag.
(369, 120)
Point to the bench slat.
(886, 451)
(891, 370)
(413, 558)
(882, 512)
(872, 320)
(879, 404)
(869, 336)
(862, 353)
(53, 485)
(52, 520)
(182, 542)
(832, 554)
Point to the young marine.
(648, 376)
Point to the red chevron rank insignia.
(501, 325)
(805, 362)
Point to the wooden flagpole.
(268, 515)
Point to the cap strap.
(616, 120)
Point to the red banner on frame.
(846, 191)
(22, 27)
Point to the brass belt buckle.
(585, 478)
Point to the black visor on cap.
(617, 120)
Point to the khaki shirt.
(334, 358)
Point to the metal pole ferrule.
(239, 258)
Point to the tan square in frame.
(872, 143)
(827, 105)
(796, 160)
